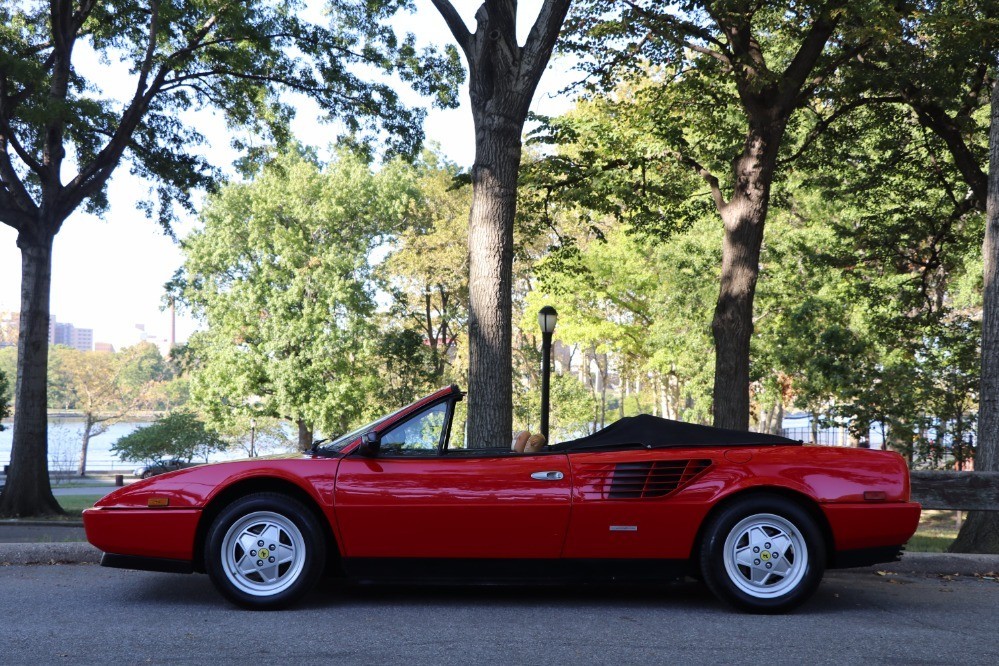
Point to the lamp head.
(547, 317)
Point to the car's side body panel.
(453, 506)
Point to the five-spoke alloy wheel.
(763, 554)
(264, 551)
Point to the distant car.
(758, 517)
(162, 466)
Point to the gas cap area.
(737, 456)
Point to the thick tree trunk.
(490, 248)
(28, 491)
(744, 217)
(980, 533)
(305, 436)
(502, 79)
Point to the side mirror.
(370, 445)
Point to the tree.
(179, 55)
(503, 76)
(178, 434)
(980, 534)
(106, 388)
(427, 272)
(280, 274)
(747, 68)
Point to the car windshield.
(338, 444)
(341, 442)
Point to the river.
(65, 440)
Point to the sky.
(108, 273)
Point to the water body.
(66, 438)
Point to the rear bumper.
(144, 533)
(871, 526)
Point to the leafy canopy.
(281, 275)
(179, 434)
(169, 57)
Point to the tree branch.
(824, 123)
(456, 25)
(704, 173)
(541, 39)
(811, 48)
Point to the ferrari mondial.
(758, 517)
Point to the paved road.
(83, 614)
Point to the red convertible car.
(758, 517)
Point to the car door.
(417, 499)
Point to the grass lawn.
(937, 529)
(75, 504)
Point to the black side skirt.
(512, 571)
(146, 563)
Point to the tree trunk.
(744, 217)
(81, 469)
(305, 436)
(28, 491)
(502, 79)
(980, 533)
(490, 268)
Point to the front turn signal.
(156, 502)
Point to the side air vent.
(639, 480)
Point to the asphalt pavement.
(84, 614)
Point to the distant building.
(10, 323)
(65, 334)
(104, 347)
(60, 333)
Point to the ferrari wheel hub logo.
(263, 553)
(765, 555)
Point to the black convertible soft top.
(655, 433)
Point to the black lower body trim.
(513, 571)
(146, 563)
(864, 557)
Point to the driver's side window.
(420, 434)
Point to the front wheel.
(763, 554)
(265, 551)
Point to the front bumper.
(167, 534)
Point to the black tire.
(763, 554)
(294, 551)
(146, 475)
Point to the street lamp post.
(547, 317)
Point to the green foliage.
(240, 59)
(427, 275)
(179, 434)
(281, 275)
(4, 397)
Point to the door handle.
(548, 476)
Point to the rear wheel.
(265, 551)
(763, 554)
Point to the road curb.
(48, 553)
(937, 564)
(17, 522)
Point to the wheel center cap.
(262, 553)
(764, 555)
